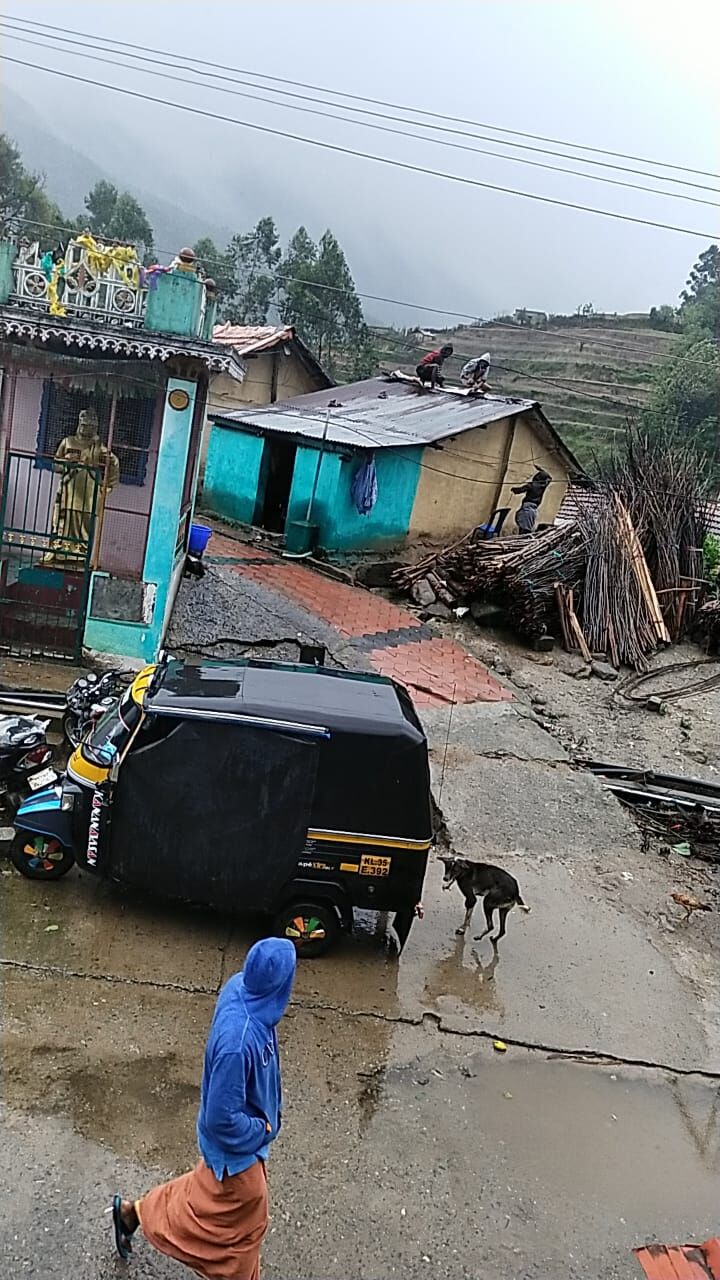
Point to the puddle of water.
(575, 1152)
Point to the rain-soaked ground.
(411, 1146)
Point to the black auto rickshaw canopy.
(240, 768)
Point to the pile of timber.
(664, 485)
(619, 611)
(519, 574)
(588, 581)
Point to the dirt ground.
(588, 715)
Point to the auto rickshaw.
(297, 791)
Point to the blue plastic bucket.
(200, 535)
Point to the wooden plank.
(576, 630)
(562, 614)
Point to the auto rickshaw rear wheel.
(40, 857)
(313, 927)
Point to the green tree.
(17, 185)
(700, 305)
(255, 259)
(218, 264)
(685, 400)
(23, 200)
(300, 302)
(321, 300)
(704, 275)
(117, 215)
(663, 318)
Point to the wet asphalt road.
(411, 1147)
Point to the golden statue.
(81, 494)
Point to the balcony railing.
(92, 281)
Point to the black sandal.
(123, 1243)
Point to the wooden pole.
(641, 571)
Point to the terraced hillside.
(589, 380)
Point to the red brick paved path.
(435, 669)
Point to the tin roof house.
(104, 370)
(277, 366)
(373, 463)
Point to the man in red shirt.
(428, 370)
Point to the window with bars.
(131, 432)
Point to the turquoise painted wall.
(341, 526)
(398, 474)
(136, 640)
(8, 254)
(232, 474)
(123, 639)
(174, 305)
(306, 463)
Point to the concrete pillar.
(8, 254)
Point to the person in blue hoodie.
(214, 1219)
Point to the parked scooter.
(88, 698)
(24, 760)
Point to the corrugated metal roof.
(681, 1262)
(249, 338)
(379, 413)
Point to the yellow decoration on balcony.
(55, 306)
(101, 257)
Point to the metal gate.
(47, 529)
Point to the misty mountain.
(70, 172)
(191, 189)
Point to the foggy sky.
(633, 77)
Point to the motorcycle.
(24, 760)
(87, 699)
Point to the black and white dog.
(498, 889)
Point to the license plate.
(44, 778)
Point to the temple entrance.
(47, 528)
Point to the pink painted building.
(134, 354)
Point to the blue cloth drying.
(364, 488)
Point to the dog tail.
(523, 906)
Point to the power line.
(394, 106)
(588, 331)
(379, 332)
(363, 155)
(404, 133)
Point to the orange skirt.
(215, 1228)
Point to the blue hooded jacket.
(241, 1093)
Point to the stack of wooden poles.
(620, 615)
(590, 576)
(520, 574)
